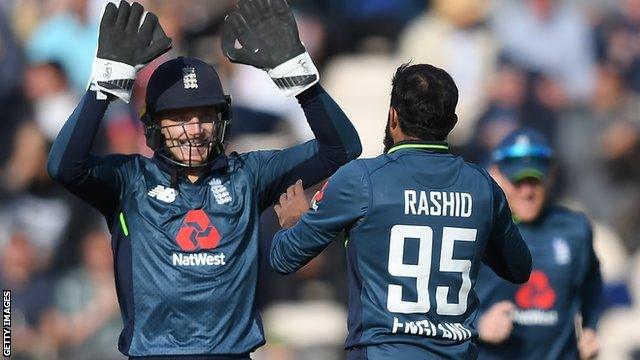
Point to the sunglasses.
(518, 151)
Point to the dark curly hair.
(425, 98)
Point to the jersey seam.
(369, 197)
(355, 254)
(357, 263)
(387, 161)
(118, 233)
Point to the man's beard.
(388, 139)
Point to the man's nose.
(527, 187)
(193, 126)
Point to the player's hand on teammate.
(128, 39)
(588, 344)
(292, 205)
(268, 37)
(496, 325)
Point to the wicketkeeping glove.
(268, 34)
(125, 45)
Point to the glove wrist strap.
(295, 75)
(110, 77)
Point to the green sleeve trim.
(123, 225)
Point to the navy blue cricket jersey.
(419, 221)
(565, 281)
(186, 256)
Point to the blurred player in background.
(184, 223)
(419, 221)
(536, 320)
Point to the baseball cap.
(183, 82)
(525, 153)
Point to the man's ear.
(393, 118)
(453, 123)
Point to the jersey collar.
(432, 146)
(219, 163)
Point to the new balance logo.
(165, 194)
(189, 78)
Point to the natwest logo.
(535, 301)
(197, 259)
(537, 293)
(197, 232)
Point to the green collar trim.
(433, 147)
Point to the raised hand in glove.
(126, 43)
(268, 35)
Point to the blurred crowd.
(569, 68)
